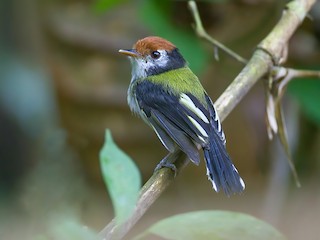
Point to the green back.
(181, 80)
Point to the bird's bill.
(129, 52)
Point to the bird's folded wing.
(182, 119)
(181, 139)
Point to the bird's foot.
(166, 163)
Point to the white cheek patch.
(163, 60)
(140, 66)
(187, 102)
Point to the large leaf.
(156, 15)
(213, 225)
(121, 177)
(67, 227)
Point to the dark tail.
(220, 169)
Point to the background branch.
(270, 52)
(284, 75)
(201, 32)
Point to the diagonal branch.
(270, 52)
(201, 32)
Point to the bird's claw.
(165, 164)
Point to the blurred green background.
(62, 83)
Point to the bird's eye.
(155, 54)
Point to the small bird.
(169, 97)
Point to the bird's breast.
(132, 99)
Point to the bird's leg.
(168, 161)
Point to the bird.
(169, 97)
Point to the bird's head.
(152, 56)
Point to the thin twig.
(296, 73)
(284, 75)
(201, 32)
(262, 61)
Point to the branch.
(278, 79)
(150, 192)
(269, 53)
(284, 75)
(201, 32)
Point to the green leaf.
(213, 225)
(121, 177)
(156, 15)
(40, 237)
(307, 92)
(69, 228)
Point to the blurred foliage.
(157, 15)
(122, 178)
(307, 92)
(51, 199)
(67, 227)
(104, 5)
(123, 181)
(213, 225)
